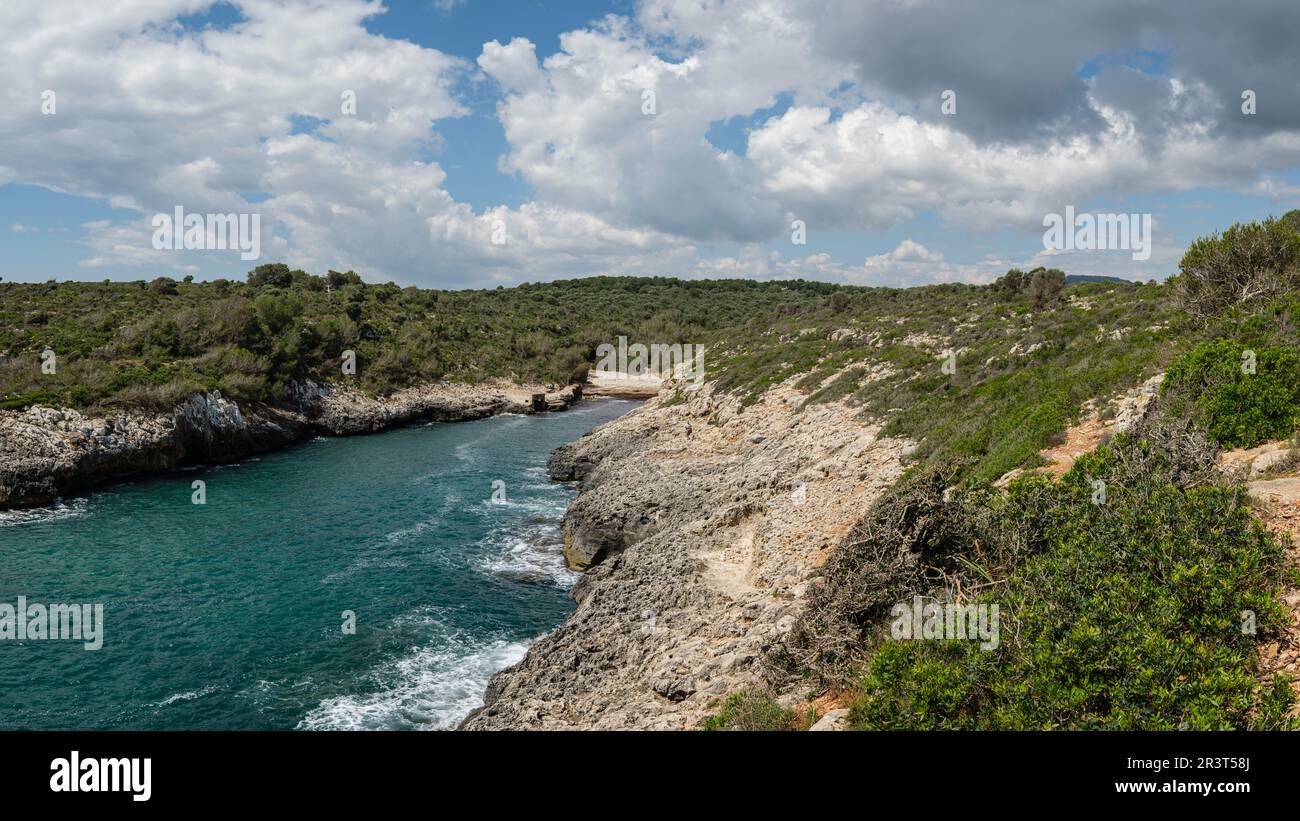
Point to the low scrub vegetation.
(1021, 364)
(1131, 595)
(1249, 262)
(755, 712)
(1134, 592)
(144, 345)
(1241, 396)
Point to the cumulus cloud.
(148, 116)
(607, 126)
(1027, 75)
(1034, 131)
(872, 167)
(114, 244)
(840, 101)
(909, 251)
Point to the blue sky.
(471, 145)
(524, 122)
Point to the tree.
(335, 280)
(163, 286)
(273, 274)
(277, 312)
(1045, 286)
(1249, 261)
(1011, 283)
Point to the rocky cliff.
(46, 453)
(698, 548)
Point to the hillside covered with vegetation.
(1124, 613)
(148, 345)
(1140, 607)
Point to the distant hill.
(1075, 279)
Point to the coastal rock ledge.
(46, 453)
(697, 550)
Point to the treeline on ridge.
(148, 345)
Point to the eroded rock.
(697, 553)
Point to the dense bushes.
(1127, 591)
(1242, 384)
(1127, 613)
(1246, 263)
(746, 711)
(1241, 397)
(1042, 286)
(1133, 593)
(276, 275)
(119, 343)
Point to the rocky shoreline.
(47, 453)
(698, 551)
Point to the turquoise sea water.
(229, 615)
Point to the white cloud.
(910, 251)
(1276, 189)
(200, 119)
(585, 135)
(150, 117)
(131, 245)
(872, 168)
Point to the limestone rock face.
(697, 549)
(833, 720)
(1257, 461)
(46, 453)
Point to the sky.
(468, 143)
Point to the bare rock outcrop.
(46, 453)
(697, 548)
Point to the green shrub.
(1042, 286)
(753, 712)
(244, 387)
(1236, 407)
(1122, 615)
(285, 324)
(276, 312)
(1045, 286)
(157, 398)
(274, 274)
(164, 286)
(1246, 263)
